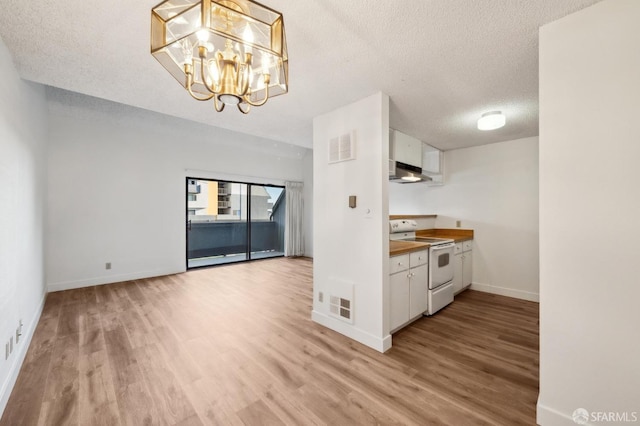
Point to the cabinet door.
(407, 149)
(458, 272)
(418, 290)
(399, 299)
(431, 158)
(467, 269)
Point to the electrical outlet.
(458, 223)
(107, 265)
(320, 297)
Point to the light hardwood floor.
(235, 345)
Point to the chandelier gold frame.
(231, 51)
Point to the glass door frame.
(247, 198)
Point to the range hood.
(406, 173)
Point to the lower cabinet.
(408, 281)
(418, 287)
(399, 309)
(462, 266)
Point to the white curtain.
(294, 231)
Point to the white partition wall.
(351, 245)
(589, 216)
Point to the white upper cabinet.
(431, 159)
(405, 149)
(409, 150)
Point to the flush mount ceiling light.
(231, 51)
(491, 120)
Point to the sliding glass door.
(233, 221)
(266, 227)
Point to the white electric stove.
(439, 287)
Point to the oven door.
(440, 265)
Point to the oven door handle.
(443, 246)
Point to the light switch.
(352, 201)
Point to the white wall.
(492, 189)
(351, 247)
(22, 171)
(589, 206)
(116, 185)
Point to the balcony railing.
(207, 239)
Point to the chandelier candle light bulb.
(214, 72)
(187, 51)
(248, 38)
(227, 76)
(265, 64)
(203, 35)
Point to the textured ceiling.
(442, 62)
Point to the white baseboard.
(379, 344)
(549, 417)
(22, 346)
(108, 279)
(503, 291)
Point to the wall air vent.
(341, 308)
(342, 148)
(340, 298)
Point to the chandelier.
(231, 51)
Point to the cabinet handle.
(399, 263)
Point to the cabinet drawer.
(419, 258)
(398, 263)
(440, 298)
(467, 245)
(458, 248)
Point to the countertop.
(412, 216)
(402, 247)
(456, 234)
